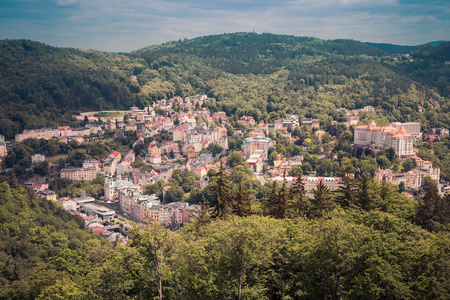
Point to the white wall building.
(376, 137)
(256, 143)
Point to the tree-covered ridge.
(40, 85)
(267, 75)
(262, 75)
(243, 53)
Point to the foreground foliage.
(352, 254)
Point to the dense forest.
(263, 75)
(338, 253)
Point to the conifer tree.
(282, 205)
(322, 203)
(220, 191)
(271, 200)
(297, 205)
(242, 202)
(432, 207)
(366, 195)
(202, 214)
(345, 195)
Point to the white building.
(79, 174)
(332, 183)
(37, 158)
(256, 160)
(256, 143)
(376, 137)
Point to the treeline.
(344, 253)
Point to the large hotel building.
(401, 137)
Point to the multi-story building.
(79, 174)
(155, 158)
(332, 183)
(110, 163)
(3, 150)
(294, 120)
(256, 143)
(248, 120)
(256, 160)
(190, 151)
(352, 120)
(91, 163)
(37, 158)
(314, 123)
(380, 138)
(46, 133)
(414, 178)
(48, 194)
(412, 128)
(113, 187)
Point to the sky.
(126, 25)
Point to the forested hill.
(263, 75)
(242, 53)
(267, 75)
(400, 49)
(41, 84)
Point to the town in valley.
(167, 153)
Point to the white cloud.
(119, 25)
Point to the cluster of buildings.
(145, 208)
(125, 166)
(251, 144)
(194, 139)
(256, 151)
(399, 136)
(63, 133)
(190, 129)
(413, 179)
(98, 218)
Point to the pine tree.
(297, 205)
(202, 214)
(271, 200)
(366, 195)
(220, 191)
(283, 202)
(429, 209)
(242, 202)
(346, 193)
(321, 204)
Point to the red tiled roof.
(97, 230)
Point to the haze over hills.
(263, 75)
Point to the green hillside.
(40, 85)
(400, 49)
(263, 75)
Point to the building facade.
(383, 137)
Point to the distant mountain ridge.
(400, 49)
